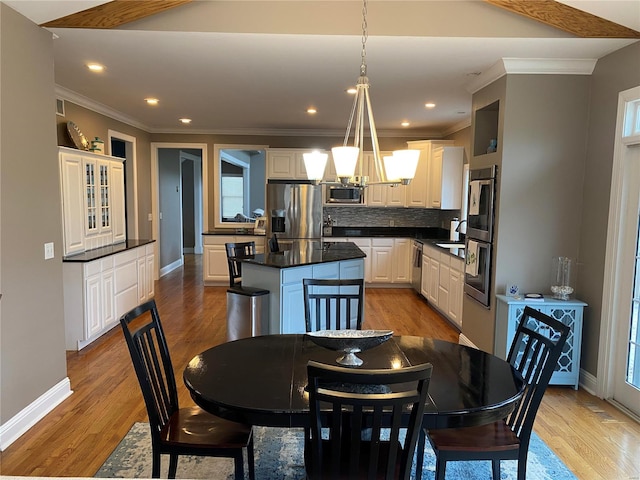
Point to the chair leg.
(173, 465)
(250, 459)
(155, 464)
(441, 467)
(420, 452)
(495, 468)
(522, 464)
(238, 460)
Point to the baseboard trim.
(171, 267)
(462, 340)
(34, 412)
(588, 382)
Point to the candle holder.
(562, 278)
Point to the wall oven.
(481, 203)
(347, 195)
(479, 237)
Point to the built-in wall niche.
(485, 133)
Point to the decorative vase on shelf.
(561, 278)
(493, 146)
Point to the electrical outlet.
(150, 217)
(48, 250)
(392, 223)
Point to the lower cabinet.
(387, 261)
(98, 292)
(570, 312)
(286, 298)
(442, 283)
(214, 261)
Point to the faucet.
(459, 225)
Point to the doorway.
(620, 330)
(178, 201)
(124, 146)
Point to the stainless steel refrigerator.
(294, 210)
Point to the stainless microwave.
(347, 195)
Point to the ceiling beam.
(114, 13)
(567, 18)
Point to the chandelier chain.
(365, 34)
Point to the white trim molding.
(463, 340)
(32, 413)
(532, 66)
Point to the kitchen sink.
(450, 245)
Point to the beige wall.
(614, 73)
(32, 350)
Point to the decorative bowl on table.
(350, 342)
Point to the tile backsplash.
(390, 217)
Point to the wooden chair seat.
(494, 437)
(192, 428)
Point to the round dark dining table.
(262, 380)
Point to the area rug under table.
(278, 455)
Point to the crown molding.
(97, 107)
(532, 66)
(457, 127)
(102, 109)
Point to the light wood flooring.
(594, 439)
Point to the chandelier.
(397, 169)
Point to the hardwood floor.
(594, 439)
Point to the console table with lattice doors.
(509, 312)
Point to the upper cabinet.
(417, 192)
(445, 178)
(93, 208)
(287, 163)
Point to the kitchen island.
(281, 273)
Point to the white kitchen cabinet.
(445, 178)
(382, 195)
(364, 244)
(401, 260)
(456, 291)
(93, 206)
(98, 292)
(73, 212)
(287, 163)
(382, 260)
(417, 190)
(214, 260)
(442, 282)
(570, 312)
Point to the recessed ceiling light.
(152, 101)
(430, 105)
(352, 90)
(95, 67)
(312, 110)
(186, 121)
(405, 124)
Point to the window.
(232, 193)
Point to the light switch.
(150, 217)
(48, 250)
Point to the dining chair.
(177, 431)
(333, 304)
(534, 353)
(358, 417)
(234, 251)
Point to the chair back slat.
(236, 251)
(333, 304)
(534, 352)
(152, 364)
(363, 424)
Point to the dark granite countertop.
(97, 253)
(233, 231)
(307, 252)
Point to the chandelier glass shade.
(314, 164)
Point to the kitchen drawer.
(360, 242)
(445, 258)
(106, 263)
(218, 239)
(92, 268)
(457, 264)
(295, 275)
(382, 242)
(327, 270)
(125, 257)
